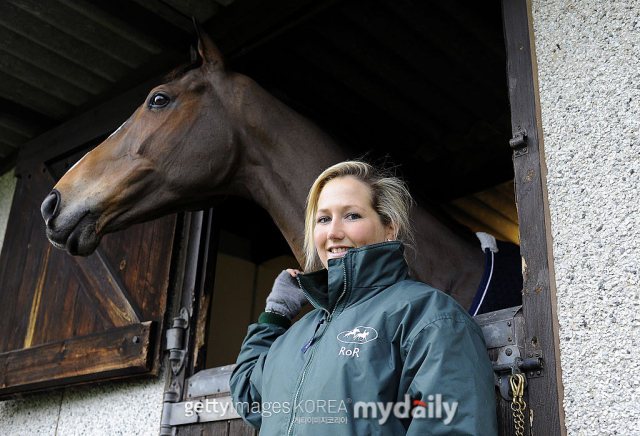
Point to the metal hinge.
(518, 143)
(175, 341)
(171, 397)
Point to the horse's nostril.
(50, 206)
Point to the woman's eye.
(323, 219)
(353, 216)
(159, 100)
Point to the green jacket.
(378, 348)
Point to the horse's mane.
(182, 70)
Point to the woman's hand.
(286, 297)
(293, 272)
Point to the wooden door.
(66, 320)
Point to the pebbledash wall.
(588, 60)
(588, 54)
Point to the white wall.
(128, 409)
(7, 187)
(588, 55)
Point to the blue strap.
(484, 283)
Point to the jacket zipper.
(313, 352)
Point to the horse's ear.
(208, 51)
(194, 54)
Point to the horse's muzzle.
(72, 229)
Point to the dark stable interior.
(413, 84)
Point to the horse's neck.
(283, 153)
(444, 258)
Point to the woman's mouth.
(338, 251)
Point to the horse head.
(169, 155)
(211, 132)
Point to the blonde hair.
(390, 199)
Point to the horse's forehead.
(192, 81)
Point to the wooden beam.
(103, 287)
(485, 214)
(47, 81)
(32, 52)
(443, 32)
(19, 91)
(501, 198)
(247, 24)
(467, 90)
(34, 121)
(10, 137)
(423, 91)
(360, 80)
(142, 20)
(61, 43)
(116, 352)
(545, 414)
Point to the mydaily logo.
(415, 409)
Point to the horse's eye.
(159, 100)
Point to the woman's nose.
(335, 231)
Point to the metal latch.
(510, 363)
(207, 399)
(175, 341)
(518, 143)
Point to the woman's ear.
(391, 234)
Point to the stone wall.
(588, 55)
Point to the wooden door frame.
(545, 412)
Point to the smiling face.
(346, 219)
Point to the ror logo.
(358, 335)
(349, 352)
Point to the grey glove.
(286, 297)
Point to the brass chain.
(518, 406)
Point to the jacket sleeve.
(447, 368)
(246, 379)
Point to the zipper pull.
(306, 347)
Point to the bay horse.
(211, 132)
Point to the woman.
(381, 354)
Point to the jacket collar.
(356, 276)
